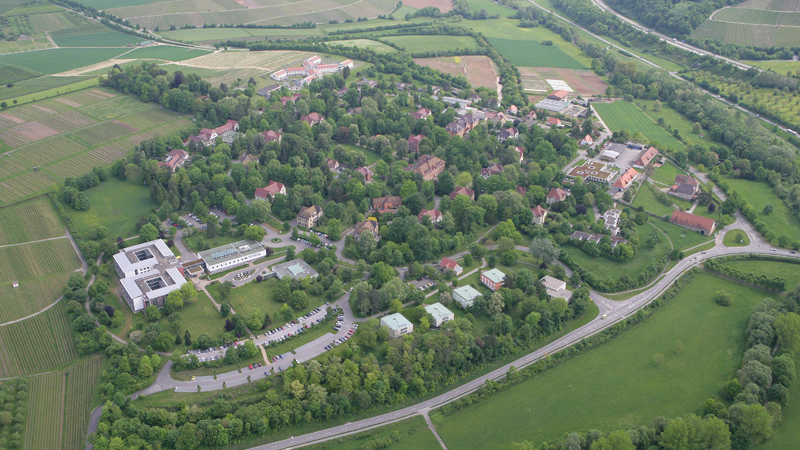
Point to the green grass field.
(493, 8)
(787, 433)
(533, 54)
(617, 385)
(29, 221)
(666, 173)
(165, 52)
(646, 199)
(788, 271)
(60, 59)
(781, 221)
(195, 35)
(677, 121)
(117, 205)
(729, 240)
(43, 87)
(101, 38)
(254, 295)
(365, 43)
(37, 344)
(681, 237)
(410, 434)
(419, 44)
(622, 115)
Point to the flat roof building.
(148, 272)
(398, 325)
(295, 269)
(493, 279)
(592, 171)
(556, 288)
(440, 314)
(465, 296)
(228, 256)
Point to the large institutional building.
(148, 273)
(231, 255)
(311, 69)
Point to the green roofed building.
(398, 325)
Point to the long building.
(231, 255)
(148, 272)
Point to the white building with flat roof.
(440, 314)
(465, 296)
(231, 255)
(148, 272)
(398, 325)
(556, 288)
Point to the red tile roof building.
(207, 136)
(449, 264)
(703, 225)
(559, 95)
(434, 214)
(387, 204)
(270, 135)
(273, 188)
(556, 195)
(367, 225)
(413, 142)
(421, 113)
(175, 159)
(366, 173)
(554, 121)
(626, 179)
(494, 169)
(539, 214)
(312, 118)
(430, 167)
(645, 157)
(463, 190)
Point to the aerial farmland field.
(419, 44)
(48, 336)
(622, 115)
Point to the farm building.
(493, 279)
(148, 272)
(700, 224)
(398, 325)
(556, 288)
(645, 156)
(295, 269)
(231, 255)
(465, 296)
(440, 314)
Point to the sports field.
(622, 115)
(420, 44)
(163, 14)
(37, 344)
(47, 141)
(586, 392)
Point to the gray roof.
(395, 321)
(156, 252)
(552, 105)
(438, 311)
(230, 252)
(467, 292)
(495, 275)
(295, 269)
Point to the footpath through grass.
(619, 384)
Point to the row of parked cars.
(319, 233)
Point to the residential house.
(685, 187)
(421, 113)
(508, 133)
(208, 136)
(626, 179)
(366, 173)
(559, 95)
(448, 264)
(463, 190)
(440, 314)
(434, 214)
(455, 129)
(175, 159)
(700, 224)
(430, 167)
(556, 195)
(555, 122)
(332, 164)
(367, 225)
(309, 216)
(539, 214)
(512, 110)
(250, 159)
(556, 288)
(465, 296)
(270, 136)
(493, 169)
(293, 98)
(398, 325)
(273, 188)
(521, 152)
(414, 141)
(312, 118)
(496, 117)
(388, 204)
(587, 140)
(493, 279)
(644, 158)
(521, 190)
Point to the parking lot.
(423, 283)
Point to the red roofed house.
(332, 164)
(685, 187)
(463, 190)
(587, 140)
(559, 95)
(208, 136)
(421, 113)
(703, 225)
(312, 118)
(626, 179)
(521, 190)
(387, 204)
(293, 98)
(520, 152)
(175, 159)
(270, 135)
(273, 188)
(556, 195)
(494, 169)
(430, 167)
(539, 215)
(366, 173)
(554, 121)
(508, 133)
(645, 157)
(434, 214)
(413, 142)
(512, 110)
(448, 264)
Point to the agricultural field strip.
(80, 383)
(37, 344)
(45, 416)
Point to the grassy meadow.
(584, 393)
(419, 44)
(781, 222)
(622, 115)
(788, 271)
(117, 205)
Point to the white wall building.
(231, 255)
(398, 325)
(465, 296)
(440, 314)
(148, 273)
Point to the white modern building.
(231, 255)
(440, 314)
(398, 325)
(556, 288)
(148, 273)
(465, 296)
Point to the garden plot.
(559, 85)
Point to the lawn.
(730, 239)
(666, 173)
(116, 205)
(409, 434)
(622, 115)
(681, 237)
(492, 8)
(372, 157)
(365, 43)
(788, 271)
(60, 59)
(534, 54)
(102, 38)
(253, 295)
(45, 87)
(223, 34)
(608, 268)
(646, 199)
(216, 241)
(781, 222)
(677, 121)
(165, 52)
(421, 44)
(587, 392)
(787, 433)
